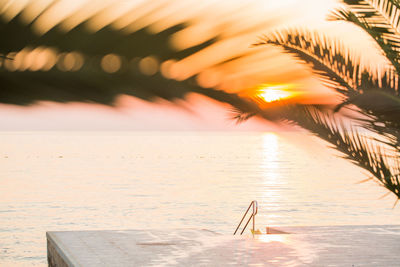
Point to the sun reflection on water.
(271, 194)
(270, 164)
(271, 238)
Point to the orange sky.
(237, 23)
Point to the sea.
(65, 181)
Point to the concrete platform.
(304, 246)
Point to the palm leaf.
(91, 83)
(375, 95)
(360, 150)
(380, 19)
(333, 63)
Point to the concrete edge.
(61, 251)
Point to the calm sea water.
(51, 181)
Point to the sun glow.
(271, 93)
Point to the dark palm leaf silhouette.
(380, 20)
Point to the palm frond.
(355, 147)
(239, 115)
(375, 94)
(333, 63)
(380, 19)
(389, 131)
(316, 50)
(381, 113)
(360, 150)
(90, 82)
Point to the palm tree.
(372, 94)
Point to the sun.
(271, 93)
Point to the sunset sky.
(230, 64)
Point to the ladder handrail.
(252, 216)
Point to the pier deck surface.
(303, 246)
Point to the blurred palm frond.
(89, 83)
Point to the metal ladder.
(253, 204)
